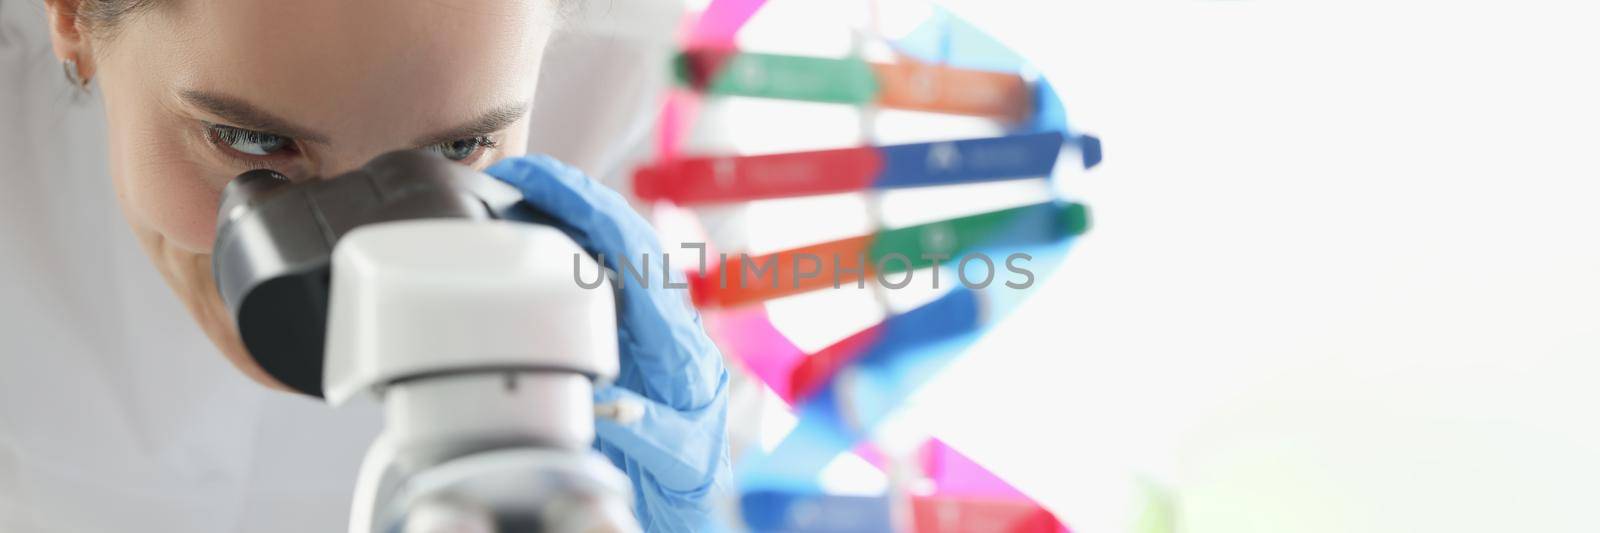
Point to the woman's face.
(197, 92)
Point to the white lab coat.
(116, 413)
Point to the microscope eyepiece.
(471, 331)
(246, 189)
(275, 238)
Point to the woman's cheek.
(175, 197)
(161, 185)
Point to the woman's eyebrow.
(242, 114)
(495, 120)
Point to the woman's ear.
(69, 36)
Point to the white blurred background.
(1344, 275)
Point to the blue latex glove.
(677, 452)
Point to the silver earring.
(70, 68)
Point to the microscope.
(434, 289)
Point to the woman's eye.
(248, 142)
(461, 149)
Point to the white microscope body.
(410, 280)
(485, 353)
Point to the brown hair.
(100, 17)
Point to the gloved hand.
(677, 452)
